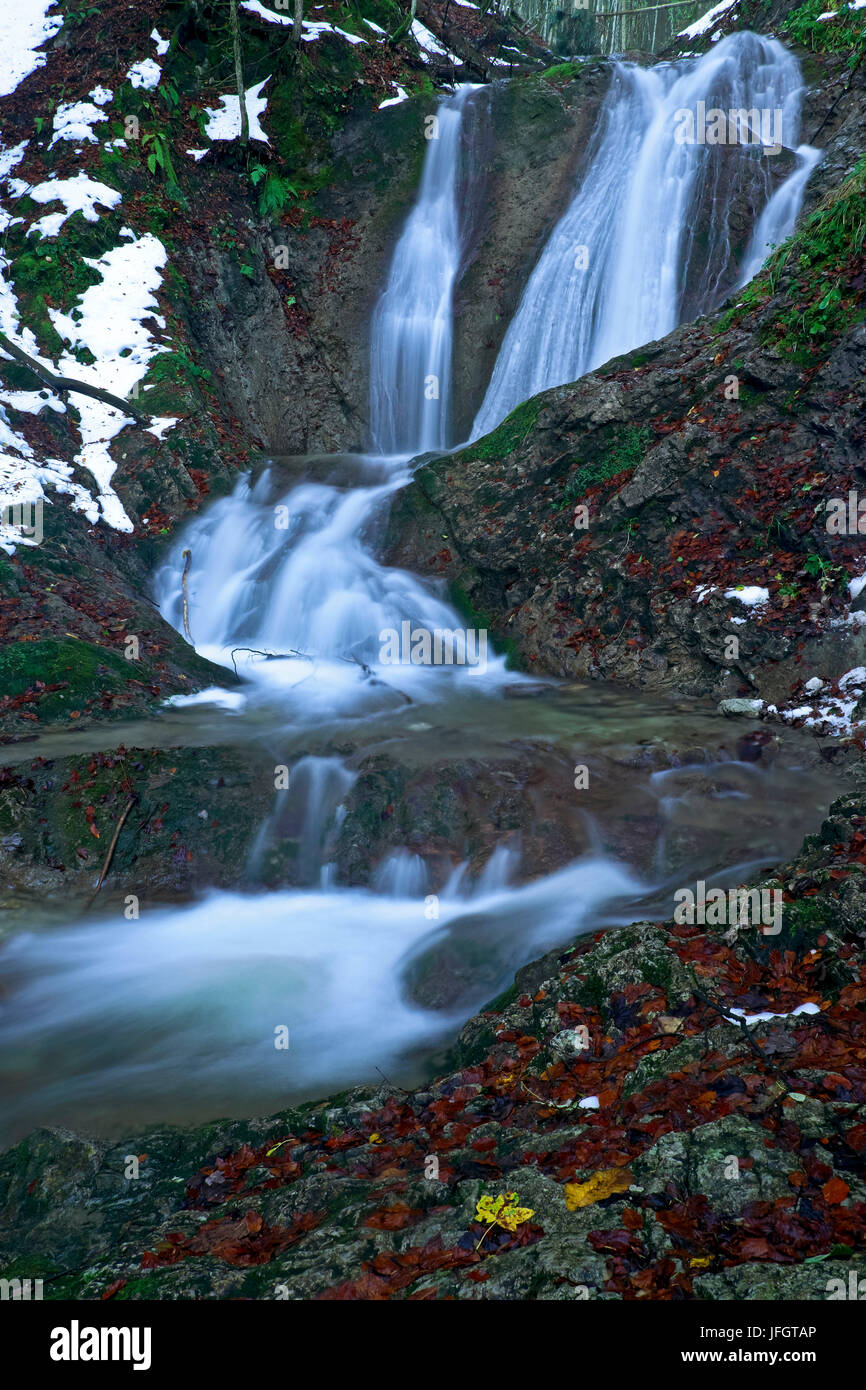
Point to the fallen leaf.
(602, 1184)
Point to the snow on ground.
(833, 714)
(765, 1017)
(224, 123)
(9, 158)
(161, 43)
(161, 425)
(426, 40)
(856, 586)
(74, 119)
(255, 7)
(25, 25)
(312, 29)
(402, 95)
(705, 23)
(110, 327)
(832, 14)
(80, 194)
(145, 74)
(750, 594)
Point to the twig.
(187, 555)
(110, 855)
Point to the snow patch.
(161, 43)
(313, 29)
(161, 425)
(225, 123)
(750, 594)
(706, 21)
(765, 1017)
(402, 95)
(25, 26)
(145, 74)
(80, 194)
(110, 327)
(73, 121)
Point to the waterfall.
(411, 335)
(648, 239)
(291, 570)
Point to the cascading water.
(292, 571)
(648, 240)
(172, 1017)
(410, 346)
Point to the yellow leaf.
(376, 1139)
(512, 1217)
(502, 1211)
(702, 1262)
(602, 1184)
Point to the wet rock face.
(675, 1148)
(686, 494)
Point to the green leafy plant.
(159, 156)
(825, 572)
(276, 195)
(844, 34)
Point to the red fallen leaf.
(755, 1248)
(632, 1219)
(856, 1138)
(478, 1276)
(253, 1222)
(393, 1218)
(835, 1191)
(113, 1289)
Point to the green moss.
(820, 263)
(85, 671)
(562, 72)
(592, 994)
(509, 435)
(623, 455)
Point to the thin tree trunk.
(298, 25)
(239, 72)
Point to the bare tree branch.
(66, 383)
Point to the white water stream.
(626, 255)
(173, 1016)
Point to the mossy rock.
(84, 671)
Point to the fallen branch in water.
(306, 656)
(269, 656)
(111, 848)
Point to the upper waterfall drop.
(648, 238)
(412, 328)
